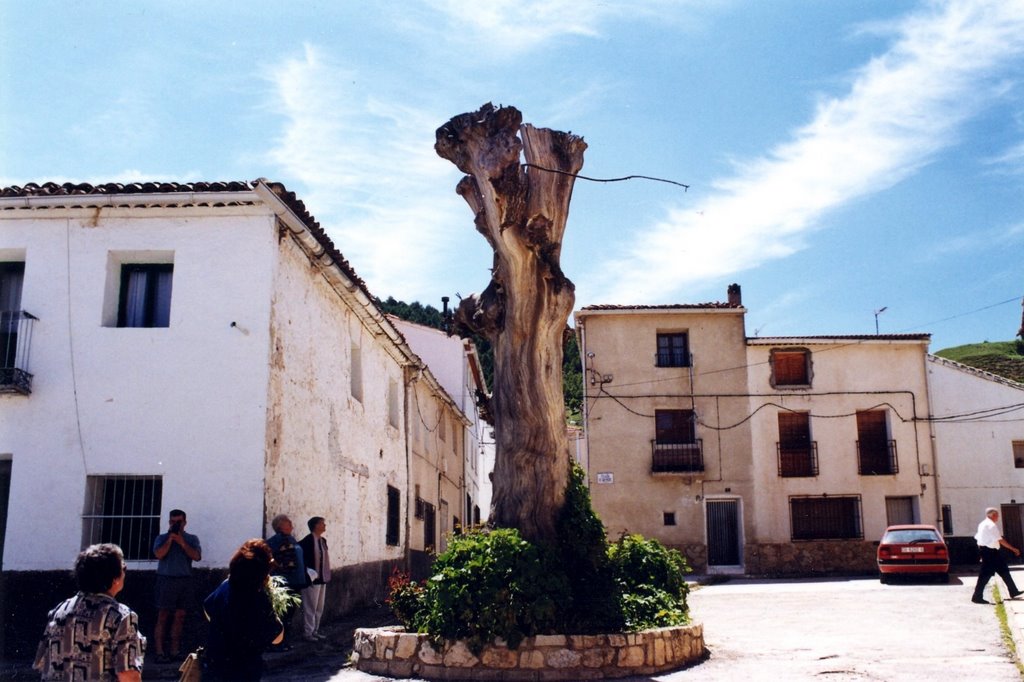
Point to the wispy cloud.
(521, 25)
(367, 170)
(902, 108)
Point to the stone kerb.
(393, 652)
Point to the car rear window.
(896, 537)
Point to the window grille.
(825, 518)
(125, 511)
(798, 454)
(876, 454)
(394, 516)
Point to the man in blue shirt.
(175, 551)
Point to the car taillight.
(884, 551)
(941, 549)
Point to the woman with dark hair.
(92, 636)
(242, 622)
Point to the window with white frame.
(123, 510)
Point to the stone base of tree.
(393, 652)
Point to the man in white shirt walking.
(990, 539)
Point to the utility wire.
(584, 177)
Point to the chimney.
(735, 298)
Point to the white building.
(979, 450)
(456, 364)
(203, 347)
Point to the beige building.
(660, 382)
(842, 448)
(775, 455)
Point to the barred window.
(125, 511)
(825, 518)
(394, 516)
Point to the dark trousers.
(993, 563)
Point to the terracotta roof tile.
(716, 305)
(70, 189)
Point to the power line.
(584, 177)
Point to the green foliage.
(429, 316)
(405, 598)
(281, 597)
(572, 372)
(583, 553)
(1002, 358)
(572, 380)
(652, 582)
(492, 583)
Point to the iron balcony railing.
(15, 342)
(877, 458)
(798, 460)
(677, 457)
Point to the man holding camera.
(175, 550)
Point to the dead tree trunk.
(521, 210)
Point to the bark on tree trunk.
(521, 211)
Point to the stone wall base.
(393, 652)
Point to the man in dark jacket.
(318, 568)
(288, 563)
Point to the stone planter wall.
(393, 652)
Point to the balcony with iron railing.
(15, 342)
(797, 461)
(677, 458)
(877, 458)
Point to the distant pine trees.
(429, 316)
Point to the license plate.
(912, 550)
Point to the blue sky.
(842, 157)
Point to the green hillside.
(1005, 358)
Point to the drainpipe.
(411, 376)
(934, 444)
(581, 333)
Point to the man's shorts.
(174, 593)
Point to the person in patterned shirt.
(91, 637)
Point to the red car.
(912, 550)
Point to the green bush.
(652, 582)
(583, 553)
(493, 583)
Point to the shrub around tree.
(492, 583)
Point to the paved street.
(835, 629)
(842, 629)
